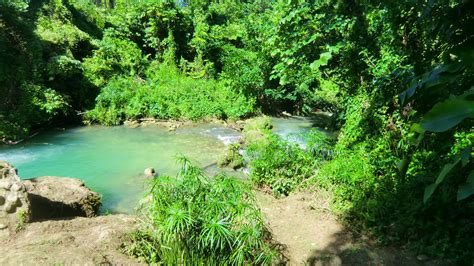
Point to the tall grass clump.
(193, 219)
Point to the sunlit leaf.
(322, 61)
(417, 128)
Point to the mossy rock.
(260, 123)
(232, 158)
(257, 129)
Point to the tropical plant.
(194, 219)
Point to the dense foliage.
(397, 74)
(193, 219)
(167, 94)
(41, 49)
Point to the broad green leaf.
(467, 189)
(445, 171)
(429, 191)
(447, 114)
(322, 61)
(466, 155)
(401, 164)
(442, 175)
(440, 75)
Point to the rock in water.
(15, 207)
(150, 172)
(60, 197)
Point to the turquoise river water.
(111, 160)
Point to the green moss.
(257, 130)
(232, 158)
(258, 123)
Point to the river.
(111, 160)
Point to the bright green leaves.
(168, 94)
(326, 56)
(54, 102)
(322, 61)
(278, 164)
(116, 56)
(217, 234)
(194, 219)
(20, 5)
(178, 220)
(63, 66)
(446, 115)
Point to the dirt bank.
(313, 236)
(78, 241)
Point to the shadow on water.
(324, 120)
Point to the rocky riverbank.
(76, 241)
(54, 197)
(53, 220)
(14, 203)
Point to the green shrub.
(232, 158)
(279, 165)
(193, 219)
(244, 70)
(319, 143)
(116, 56)
(168, 94)
(350, 176)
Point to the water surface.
(111, 160)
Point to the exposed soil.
(301, 222)
(78, 241)
(313, 236)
